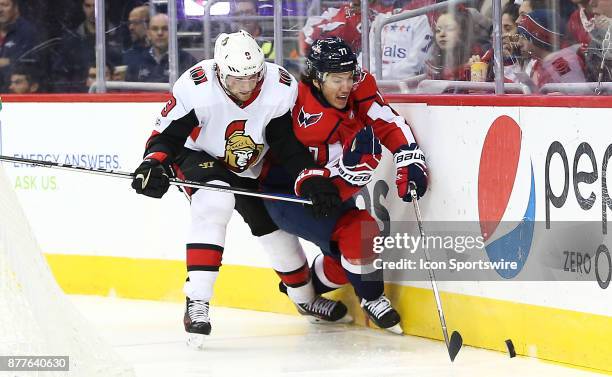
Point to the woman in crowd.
(454, 45)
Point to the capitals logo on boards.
(506, 195)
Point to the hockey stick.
(173, 181)
(456, 341)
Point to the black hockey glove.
(316, 185)
(150, 179)
(410, 165)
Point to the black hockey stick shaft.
(453, 345)
(173, 181)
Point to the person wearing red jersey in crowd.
(539, 40)
(455, 44)
(581, 23)
(340, 116)
(343, 22)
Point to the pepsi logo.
(506, 195)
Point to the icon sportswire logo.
(506, 195)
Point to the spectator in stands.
(602, 8)
(119, 73)
(598, 55)
(137, 24)
(343, 22)
(510, 13)
(24, 80)
(581, 23)
(513, 60)
(78, 52)
(454, 46)
(602, 12)
(92, 75)
(248, 8)
(151, 65)
(138, 21)
(406, 47)
(118, 14)
(18, 38)
(517, 67)
(538, 40)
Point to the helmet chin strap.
(224, 85)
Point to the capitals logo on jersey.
(306, 120)
(240, 150)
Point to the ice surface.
(248, 343)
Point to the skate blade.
(395, 329)
(195, 341)
(318, 321)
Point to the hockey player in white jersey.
(223, 117)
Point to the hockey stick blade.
(173, 181)
(454, 345)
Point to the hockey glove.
(316, 185)
(410, 164)
(357, 165)
(150, 179)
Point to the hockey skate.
(382, 314)
(197, 322)
(322, 310)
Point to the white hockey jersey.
(234, 134)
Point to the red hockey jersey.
(343, 22)
(328, 132)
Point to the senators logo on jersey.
(240, 149)
(306, 120)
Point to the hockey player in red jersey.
(340, 115)
(223, 116)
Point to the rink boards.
(550, 157)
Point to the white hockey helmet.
(238, 54)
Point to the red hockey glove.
(410, 164)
